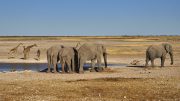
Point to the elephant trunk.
(171, 55)
(105, 59)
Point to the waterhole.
(39, 67)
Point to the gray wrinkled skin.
(91, 52)
(52, 57)
(67, 55)
(158, 51)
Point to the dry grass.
(107, 89)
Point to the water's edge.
(40, 67)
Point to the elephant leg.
(99, 64)
(62, 67)
(69, 66)
(57, 67)
(48, 71)
(162, 61)
(69, 62)
(152, 62)
(93, 65)
(72, 64)
(49, 66)
(147, 60)
(54, 65)
(81, 64)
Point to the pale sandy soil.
(114, 84)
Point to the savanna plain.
(117, 82)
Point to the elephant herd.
(74, 58)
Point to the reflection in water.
(35, 66)
(14, 67)
(22, 66)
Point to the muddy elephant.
(67, 55)
(52, 57)
(91, 52)
(159, 51)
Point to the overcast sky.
(89, 17)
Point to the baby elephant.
(158, 51)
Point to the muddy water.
(40, 67)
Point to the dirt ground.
(116, 83)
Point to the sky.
(89, 17)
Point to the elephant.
(159, 51)
(67, 55)
(91, 52)
(52, 57)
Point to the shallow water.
(40, 67)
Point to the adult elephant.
(91, 52)
(52, 57)
(159, 51)
(67, 55)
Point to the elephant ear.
(167, 48)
